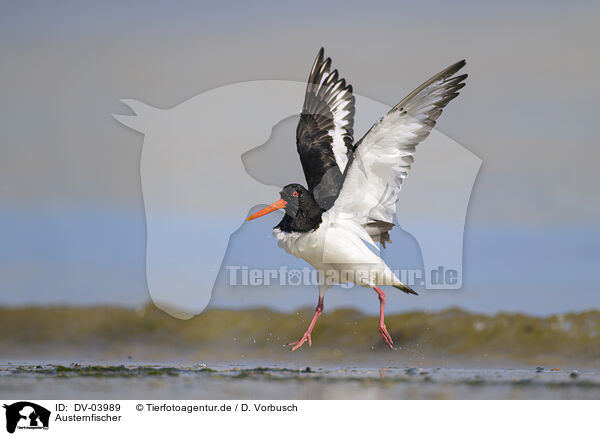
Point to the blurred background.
(72, 224)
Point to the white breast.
(336, 246)
(307, 245)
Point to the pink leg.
(306, 336)
(382, 329)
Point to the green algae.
(98, 371)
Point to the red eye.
(295, 194)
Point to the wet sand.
(56, 380)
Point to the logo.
(26, 415)
(208, 160)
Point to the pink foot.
(306, 336)
(297, 344)
(385, 335)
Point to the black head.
(296, 196)
(302, 213)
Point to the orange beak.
(277, 205)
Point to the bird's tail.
(404, 288)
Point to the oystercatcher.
(353, 187)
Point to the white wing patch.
(342, 101)
(384, 156)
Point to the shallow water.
(56, 380)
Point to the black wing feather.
(326, 122)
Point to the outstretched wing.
(324, 135)
(383, 157)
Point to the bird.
(347, 209)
